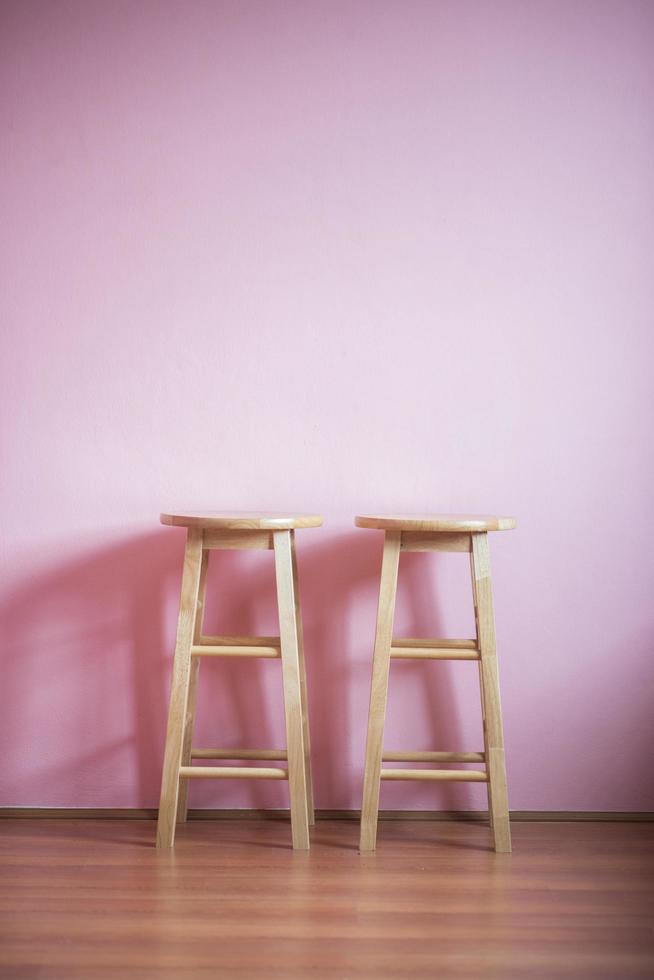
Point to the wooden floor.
(93, 899)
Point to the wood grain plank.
(93, 900)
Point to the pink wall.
(332, 256)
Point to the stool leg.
(492, 711)
(378, 690)
(303, 688)
(289, 640)
(481, 684)
(180, 686)
(182, 800)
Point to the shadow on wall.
(83, 694)
(87, 668)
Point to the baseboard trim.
(150, 813)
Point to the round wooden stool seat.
(448, 523)
(241, 521)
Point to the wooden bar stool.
(214, 531)
(437, 532)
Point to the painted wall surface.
(340, 257)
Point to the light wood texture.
(455, 533)
(234, 540)
(237, 650)
(396, 756)
(481, 684)
(437, 775)
(440, 643)
(191, 577)
(426, 649)
(240, 641)
(466, 523)
(263, 754)
(490, 691)
(236, 521)
(379, 690)
(232, 772)
(306, 735)
(91, 900)
(443, 541)
(293, 702)
(182, 799)
(432, 653)
(192, 645)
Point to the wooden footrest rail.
(443, 775)
(236, 772)
(431, 757)
(232, 772)
(237, 646)
(422, 649)
(262, 754)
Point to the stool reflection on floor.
(437, 533)
(207, 532)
